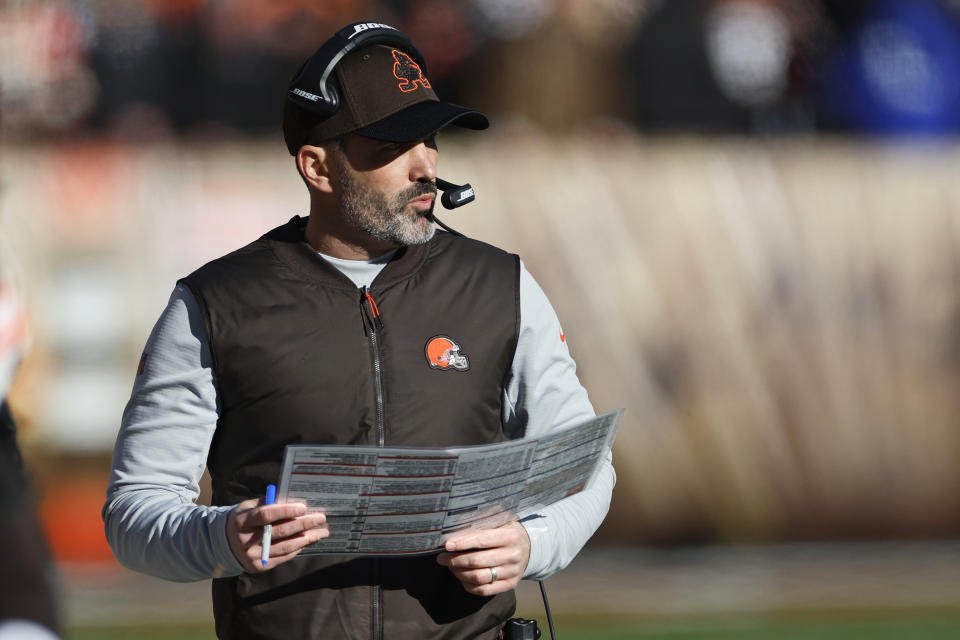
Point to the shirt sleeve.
(152, 521)
(543, 394)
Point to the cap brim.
(421, 120)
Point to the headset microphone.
(455, 195)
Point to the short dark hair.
(299, 127)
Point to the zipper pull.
(372, 306)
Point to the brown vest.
(302, 356)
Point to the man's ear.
(315, 166)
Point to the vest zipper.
(376, 631)
(374, 323)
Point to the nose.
(423, 162)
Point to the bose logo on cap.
(363, 26)
(463, 195)
(305, 94)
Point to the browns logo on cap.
(408, 72)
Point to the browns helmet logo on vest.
(443, 353)
(408, 72)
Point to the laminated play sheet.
(408, 501)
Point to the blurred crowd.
(147, 69)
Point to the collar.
(289, 245)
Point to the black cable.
(546, 606)
(446, 228)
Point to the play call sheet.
(406, 501)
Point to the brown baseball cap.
(383, 94)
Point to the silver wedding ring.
(494, 576)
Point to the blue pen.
(267, 528)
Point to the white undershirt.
(361, 272)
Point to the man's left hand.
(488, 561)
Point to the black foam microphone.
(455, 195)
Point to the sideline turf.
(874, 628)
(901, 627)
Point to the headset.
(312, 90)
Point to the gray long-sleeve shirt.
(152, 520)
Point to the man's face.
(387, 189)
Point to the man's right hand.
(293, 529)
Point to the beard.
(386, 219)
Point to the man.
(28, 608)
(318, 333)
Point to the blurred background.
(744, 211)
